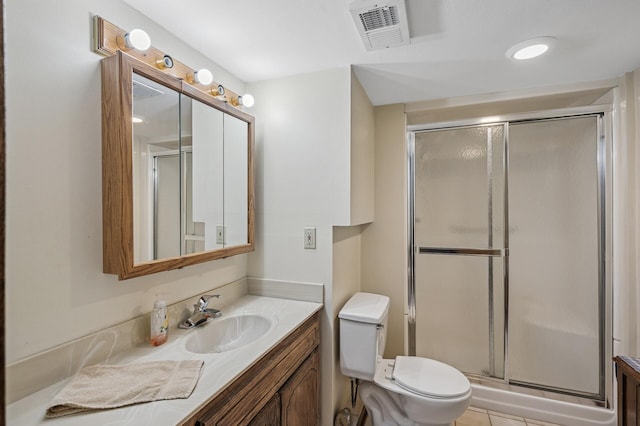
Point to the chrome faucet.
(201, 312)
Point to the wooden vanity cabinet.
(299, 396)
(269, 415)
(628, 376)
(281, 388)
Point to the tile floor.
(479, 417)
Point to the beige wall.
(626, 228)
(346, 281)
(347, 241)
(635, 281)
(362, 155)
(384, 246)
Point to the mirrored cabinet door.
(208, 166)
(236, 157)
(156, 169)
(177, 172)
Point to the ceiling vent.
(142, 91)
(381, 25)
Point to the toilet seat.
(430, 378)
(422, 377)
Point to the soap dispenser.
(159, 322)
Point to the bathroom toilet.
(405, 391)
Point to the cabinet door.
(300, 396)
(269, 415)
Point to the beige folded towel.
(110, 386)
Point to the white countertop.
(218, 371)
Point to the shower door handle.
(464, 251)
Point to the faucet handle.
(203, 302)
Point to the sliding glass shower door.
(459, 237)
(507, 240)
(554, 262)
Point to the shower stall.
(509, 251)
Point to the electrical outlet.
(220, 231)
(309, 238)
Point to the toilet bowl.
(405, 391)
(437, 395)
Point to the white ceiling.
(457, 46)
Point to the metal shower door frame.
(604, 191)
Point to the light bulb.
(165, 62)
(137, 39)
(203, 76)
(246, 100)
(218, 91)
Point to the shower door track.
(539, 391)
(604, 398)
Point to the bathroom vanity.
(269, 379)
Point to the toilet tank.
(363, 331)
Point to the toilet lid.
(429, 377)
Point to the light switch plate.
(309, 238)
(220, 231)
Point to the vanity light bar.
(109, 38)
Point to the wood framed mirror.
(177, 172)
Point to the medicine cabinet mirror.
(177, 172)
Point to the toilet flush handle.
(381, 340)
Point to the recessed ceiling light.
(530, 48)
(135, 119)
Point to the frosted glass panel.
(459, 204)
(459, 187)
(553, 266)
(452, 316)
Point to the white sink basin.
(225, 334)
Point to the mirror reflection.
(236, 152)
(190, 174)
